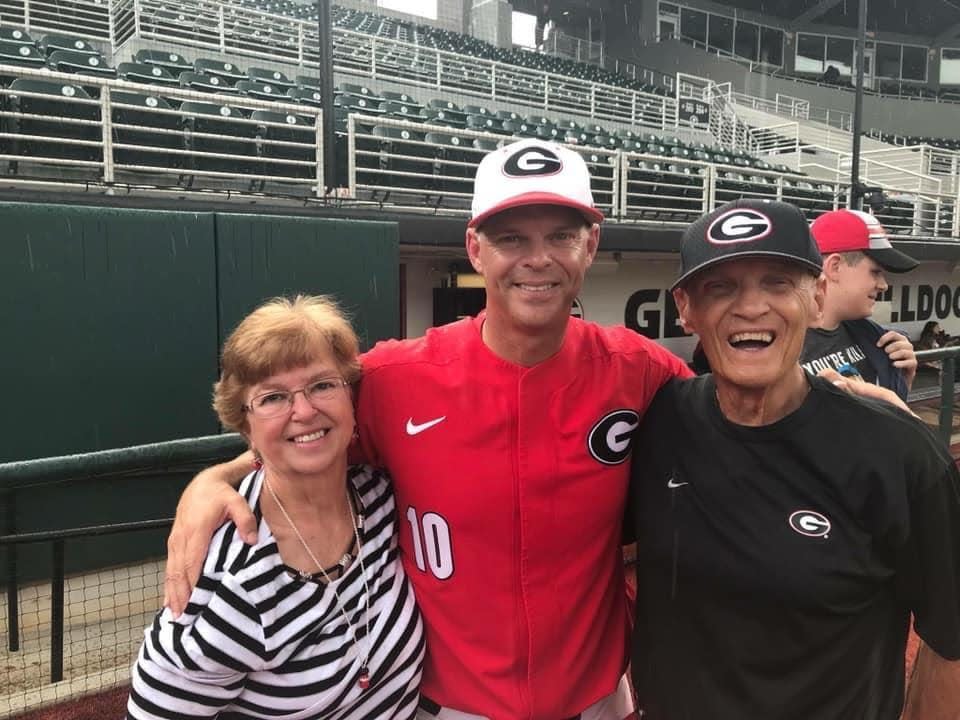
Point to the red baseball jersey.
(510, 485)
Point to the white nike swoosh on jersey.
(416, 429)
(671, 483)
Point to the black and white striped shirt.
(256, 642)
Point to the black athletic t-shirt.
(824, 349)
(778, 565)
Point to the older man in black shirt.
(786, 529)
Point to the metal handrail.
(948, 356)
(16, 476)
(106, 463)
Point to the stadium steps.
(822, 151)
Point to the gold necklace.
(364, 678)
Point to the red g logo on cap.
(739, 225)
(532, 161)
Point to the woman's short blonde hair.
(280, 335)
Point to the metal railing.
(79, 608)
(430, 167)
(949, 359)
(112, 130)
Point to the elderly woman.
(317, 619)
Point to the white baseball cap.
(532, 172)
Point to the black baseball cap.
(748, 228)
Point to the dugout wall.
(111, 321)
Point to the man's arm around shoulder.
(209, 500)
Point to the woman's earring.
(257, 460)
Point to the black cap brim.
(809, 266)
(892, 259)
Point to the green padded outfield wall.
(111, 322)
(358, 262)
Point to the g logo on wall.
(610, 439)
(809, 523)
(740, 225)
(533, 160)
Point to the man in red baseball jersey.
(507, 436)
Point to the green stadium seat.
(304, 95)
(400, 110)
(634, 145)
(412, 171)
(235, 138)
(357, 104)
(592, 129)
(260, 91)
(354, 89)
(21, 56)
(138, 120)
(55, 105)
(521, 129)
(573, 137)
(173, 63)
(80, 63)
(476, 110)
(455, 164)
(299, 137)
(569, 125)
(608, 142)
(399, 97)
(53, 42)
(508, 115)
(219, 68)
(146, 74)
(441, 116)
(485, 123)
(550, 132)
(16, 36)
(307, 81)
(539, 120)
(206, 83)
(486, 144)
(271, 77)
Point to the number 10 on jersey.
(432, 547)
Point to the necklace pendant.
(364, 680)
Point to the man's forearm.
(231, 471)
(934, 691)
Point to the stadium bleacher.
(216, 120)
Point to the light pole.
(856, 191)
(325, 59)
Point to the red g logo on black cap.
(739, 225)
(532, 161)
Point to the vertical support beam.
(858, 108)
(13, 589)
(56, 613)
(948, 366)
(325, 58)
(106, 136)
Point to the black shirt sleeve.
(930, 563)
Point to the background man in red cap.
(856, 251)
(507, 436)
(786, 529)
